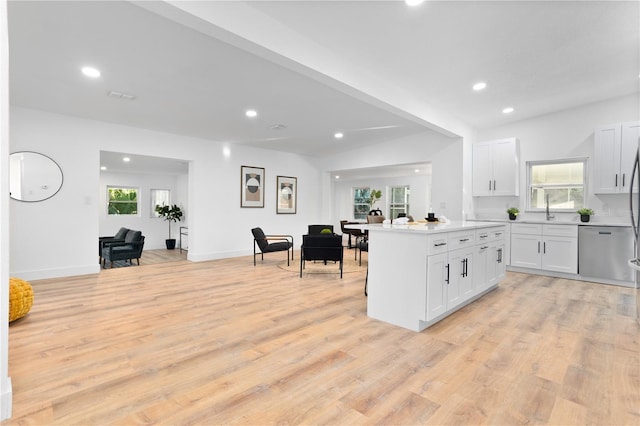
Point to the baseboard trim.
(6, 399)
(43, 274)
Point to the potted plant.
(585, 214)
(374, 196)
(170, 214)
(513, 212)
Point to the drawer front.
(438, 243)
(560, 230)
(526, 228)
(461, 239)
(490, 234)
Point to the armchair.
(317, 229)
(325, 247)
(283, 242)
(357, 233)
(117, 238)
(130, 248)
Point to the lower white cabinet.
(458, 275)
(545, 247)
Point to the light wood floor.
(224, 342)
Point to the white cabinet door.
(614, 152)
(482, 170)
(525, 251)
(480, 263)
(437, 276)
(505, 168)
(560, 254)
(630, 136)
(460, 286)
(606, 166)
(495, 168)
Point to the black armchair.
(324, 247)
(129, 249)
(282, 243)
(357, 233)
(118, 238)
(317, 229)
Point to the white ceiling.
(538, 57)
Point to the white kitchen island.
(421, 273)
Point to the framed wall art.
(251, 186)
(287, 194)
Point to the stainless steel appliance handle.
(633, 176)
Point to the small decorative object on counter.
(585, 214)
(513, 212)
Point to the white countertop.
(602, 222)
(430, 228)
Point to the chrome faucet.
(549, 215)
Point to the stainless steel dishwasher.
(603, 252)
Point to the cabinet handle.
(447, 279)
(499, 255)
(623, 180)
(616, 180)
(538, 246)
(462, 264)
(544, 248)
(483, 236)
(462, 240)
(484, 247)
(494, 185)
(440, 244)
(489, 185)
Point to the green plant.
(169, 213)
(374, 196)
(585, 211)
(513, 210)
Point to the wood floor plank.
(223, 342)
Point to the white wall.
(58, 237)
(418, 204)
(445, 155)
(566, 134)
(5, 381)
(155, 229)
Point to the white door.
(437, 276)
(606, 169)
(481, 170)
(525, 251)
(505, 170)
(560, 254)
(630, 136)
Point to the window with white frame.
(399, 202)
(560, 183)
(122, 201)
(361, 202)
(159, 197)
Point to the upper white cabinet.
(495, 168)
(614, 153)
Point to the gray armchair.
(129, 249)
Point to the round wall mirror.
(33, 176)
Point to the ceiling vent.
(121, 95)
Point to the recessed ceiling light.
(414, 2)
(337, 176)
(251, 113)
(91, 72)
(338, 135)
(508, 110)
(481, 85)
(103, 167)
(417, 170)
(126, 159)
